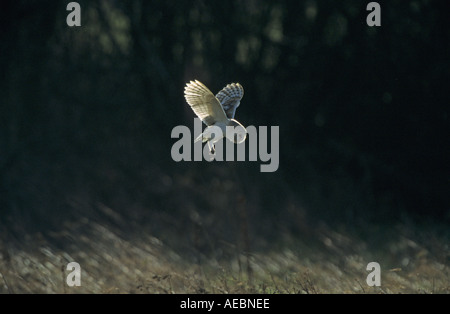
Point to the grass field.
(323, 261)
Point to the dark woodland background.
(86, 115)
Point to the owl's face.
(239, 133)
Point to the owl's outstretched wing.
(230, 98)
(204, 104)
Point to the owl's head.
(236, 132)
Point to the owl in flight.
(216, 111)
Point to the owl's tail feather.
(201, 137)
(212, 149)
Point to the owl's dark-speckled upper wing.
(230, 98)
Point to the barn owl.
(217, 112)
